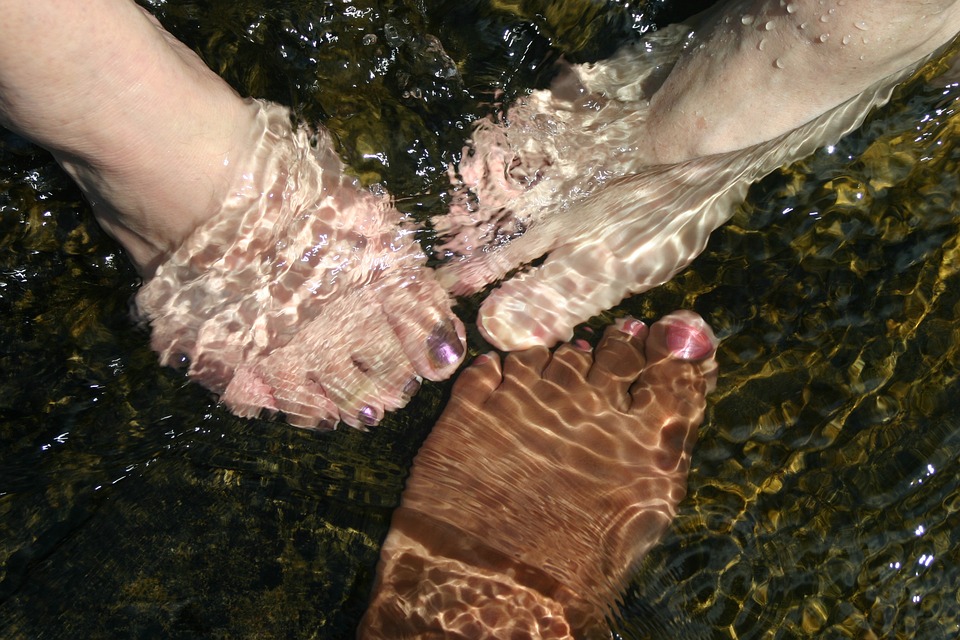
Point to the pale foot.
(621, 171)
(285, 285)
(304, 295)
(542, 485)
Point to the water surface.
(824, 493)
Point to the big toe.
(540, 307)
(418, 311)
(680, 370)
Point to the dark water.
(824, 495)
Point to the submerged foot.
(304, 294)
(285, 285)
(620, 172)
(542, 484)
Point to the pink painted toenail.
(582, 344)
(368, 416)
(687, 342)
(410, 389)
(444, 346)
(632, 326)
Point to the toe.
(570, 364)
(618, 360)
(543, 305)
(432, 337)
(476, 384)
(680, 368)
(524, 368)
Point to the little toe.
(619, 359)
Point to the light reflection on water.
(824, 495)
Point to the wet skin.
(544, 482)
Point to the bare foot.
(304, 294)
(543, 484)
(621, 171)
(285, 285)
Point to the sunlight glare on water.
(824, 495)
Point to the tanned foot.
(542, 485)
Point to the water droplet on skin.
(778, 63)
(791, 8)
(803, 25)
(760, 44)
(747, 19)
(824, 18)
(769, 26)
(860, 24)
(846, 39)
(824, 37)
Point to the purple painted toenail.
(632, 326)
(410, 389)
(368, 416)
(687, 342)
(444, 345)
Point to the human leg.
(283, 283)
(621, 171)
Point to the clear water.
(824, 494)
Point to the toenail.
(410, 389)
(688, 343)
(444, 345)
(582, 344)
(632, 326)
(368, 416)
(326, 425)
(483, 358)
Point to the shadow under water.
(825, 488)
